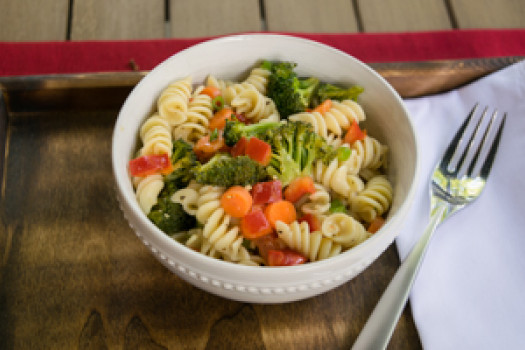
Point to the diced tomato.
(259, 151)
(268, 242)
(239, 149)
(205, 149)
(285, 257)
(150, 164)
(267, 192)
(298, 188)
(211, 91)
(312, 221)
(376, 224)
(354, 133)
(254, 224)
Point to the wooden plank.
(117, 19)
(27, 20)
(190, 18)
(403, 15)
(489, 13)
(336, 16)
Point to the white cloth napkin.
(470, 291)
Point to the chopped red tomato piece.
(254, 224)
(268, 242)
(239, 149)
(354, 133)
(313, 222)
(267, 192)
(150, 164)
(259, 151)
(285, 257)
(298, 188)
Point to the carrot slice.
(376, 224)
(323, 107)
(236, 201)
(211, 91)
(218, 121)
(280, 211)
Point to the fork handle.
(381, 324)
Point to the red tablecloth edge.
(62, 57)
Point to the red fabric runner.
(116, 56)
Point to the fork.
(458, 179)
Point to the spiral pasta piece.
(211, 80)
(258, 77)
(200, 111)
(374, 200)
(332, 176)
(148, 190)
(347, 112)
(173, 101)
(312, 245)
(318, 203)
(156, 136)
(344, 229)
(371, 152)
(188, 197)
(218, 231)
(254, 105)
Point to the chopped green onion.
(336, 206)
(214, 135)
(217, 103)
(343, 153)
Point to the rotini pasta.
(374, 200)
(254, 105)
(148, 190)
(313, 245)
(156, 137)
(344, 229)
(173, 101)
(199, 112)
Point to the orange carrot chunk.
(218, 121)
(236, 201)
(376, 224)
(323, 107)
(211, 91)
(280, 211)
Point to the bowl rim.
(261, 271)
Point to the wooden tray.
(73, 274)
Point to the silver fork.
(457, 180)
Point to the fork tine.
(451, 157)
(489, 160)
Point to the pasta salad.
(274, 170)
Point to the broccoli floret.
(226, 171)
(183, 160)
(333, 92)
(235, 130)
(170, 217)
(295, 148)
(290, 93)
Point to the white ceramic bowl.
(230, 58)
